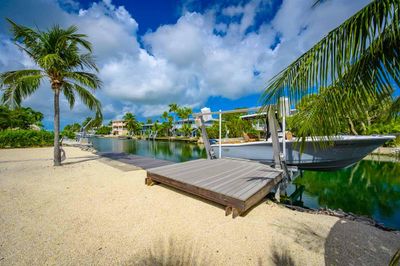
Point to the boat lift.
(279, 156)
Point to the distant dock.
(135, 160)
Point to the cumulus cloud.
(199, 56)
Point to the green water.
(368, 188)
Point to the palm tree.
(359, 60)
(131, 122)
(173, 107)
(58, 54)
(166, 125)
(165, 115)
(184, 113)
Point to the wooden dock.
(135, 160)
(237, 184)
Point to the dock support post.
(228, 210)
(149, 182)
(235, 213)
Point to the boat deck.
(237, 184)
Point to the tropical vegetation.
(377, 117)
(62, 56)
(24, 138)
(104, 130)
(231, 126)
(353, 69)
(19, 118)
(70, 130)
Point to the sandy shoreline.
(95, 211)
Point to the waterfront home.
(177, 126)
(146, 129)
(119, 128)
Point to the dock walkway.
(237, 184)
(135, 160)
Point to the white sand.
(89, 211)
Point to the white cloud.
(186, 62)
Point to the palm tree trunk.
(57, 152)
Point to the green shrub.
(67, 133)
(25, 138)
(104, 130)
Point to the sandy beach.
(96, 211)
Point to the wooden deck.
(234, 183)
(136, 160)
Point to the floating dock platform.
(234, 183)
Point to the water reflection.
(166, 150)
(369, 188)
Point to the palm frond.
(87, 60)
(68, 90)
(51, 61)
(25, 35)
(14, 92)
(11, 76)
(84, 78)
(88, 99)
(395, 109)
(325, 62)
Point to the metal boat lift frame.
(279, 156)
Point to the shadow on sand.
(175, 252)
(351, 243)
(171, 252)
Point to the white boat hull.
(345, 151)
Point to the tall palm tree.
(184, 113)
(358, 60)
(58, 54)
(131, 122)
(165, 123)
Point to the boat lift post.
(220, 132)
(283, 111)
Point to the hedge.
(25, 138)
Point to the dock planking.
(237, 184)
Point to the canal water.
(369, 188)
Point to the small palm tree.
(58, 55)
(359, 60)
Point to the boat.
(339, 152)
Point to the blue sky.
(218, 54)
